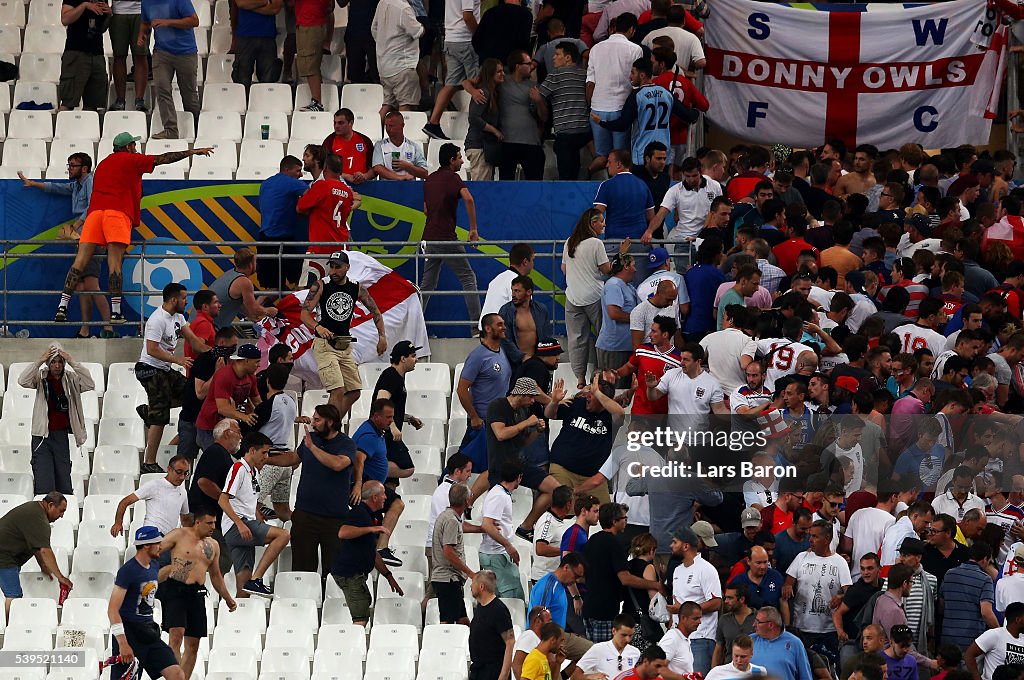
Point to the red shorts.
(107, 226)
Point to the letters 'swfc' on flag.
(884, 76)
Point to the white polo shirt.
(677, 651)
(384, 154)
(690, 396)
(690, 207)
(165, 503)
(698, 583)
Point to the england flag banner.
(396, 298)
(886, 76)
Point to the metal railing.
(394, 254)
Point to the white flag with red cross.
(882, 74)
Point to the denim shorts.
(10, 582)
(604, 139)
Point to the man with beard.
(335, 299)
(526, 321)
(862, 178)
(653, 357)
(321, 500)
(182, 590)
(485, 377)
(541, 367)
(737, 619)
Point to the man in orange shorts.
(113, 211)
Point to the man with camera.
(57, 412)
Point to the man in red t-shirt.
(779, 515)
(788, 252)
(329, 203)
(207, 307)
(354, 148)
(233, 394)
(114, 210)
(683, 89)
(656, 356)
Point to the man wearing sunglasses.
(166, 501)
(832, 503)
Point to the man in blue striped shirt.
(966, 598)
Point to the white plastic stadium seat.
(44, 39)
(427, 405)
(431, 434)
(348, 637)
(108, 483)
(97, 558)
(329, 95)
(293, 612)
(15, 457)
(430, 377)
(336, 611)
(97, 533)
(10, 501)
(224, 97)
(260, 152)
(277, 123)
(248, 172)
(116, 459)
(311, 125)
(362, 97)
(39, 611)
(297, 584)
(233, 660)
(221, 125)
(397, 610)
(25, 153)
(40, 68)
(291, 637)
(85, 611)
(270, 97)
(10, 40)
(394, 636)
(133, 122)
(16, 483)
(445, 636)
(78, 125)
(44, 13)
(12, 13)
(130, 430)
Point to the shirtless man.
(862, 178)
(525, 322)
(182, 588)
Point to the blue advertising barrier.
(177, 211)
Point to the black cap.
(548, 347)
(340, 257)
(983, 166)
(912, 546)
(923, 224)
(247, 351)
(402, 348)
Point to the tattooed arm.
(170, 540)
(378, 320)
(309, 307)
(175, 156)
(212, 551)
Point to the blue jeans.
(702, 649)
(10, 582)
(605, 140)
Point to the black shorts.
(390, 496)
(533, 475)
(153, 653)
(451, 602)
(184, 606)
(398, 453)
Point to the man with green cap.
(114, 210)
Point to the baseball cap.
(340, 258)
(124, 139)
(148, 536)
(849, 383)
(1018, 554)
(686, 536)
(856, 279)
(923, 224)
(548, 347)
(247, 351)
(912, 546)
(750, 518)
(657, 257)
(705, 532)
(402, 348)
